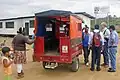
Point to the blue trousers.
(105, 54)
(112, 54)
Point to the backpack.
(96, 39)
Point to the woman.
(19, 46)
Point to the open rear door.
(75, 36)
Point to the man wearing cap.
(106, 34)
(96, 41)
(112, 44)
(85, 39)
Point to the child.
(33, 37)
(7, 62)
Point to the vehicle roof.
(53, 13)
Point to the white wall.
(87, 20)
(27, 20)
(17, 24)
(21, 23)
(8, 31)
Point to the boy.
(96, 40)
(7, 62)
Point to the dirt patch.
(34, 70)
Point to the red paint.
(39, 46)
(63, 41)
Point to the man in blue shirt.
(85, 45)
(112, 44)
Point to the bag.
(104, 34)
(83, 36)
(96, 39)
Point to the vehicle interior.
(52, 29)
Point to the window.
(79, 27)
(9, 24)
(1, 25)
(31, 23)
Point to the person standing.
(19, 47)
(106, 34)
(85, 40)
(7, 63)
(112, 44)
(96, 42)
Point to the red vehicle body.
(67, 39)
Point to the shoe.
(20, 76)
(103, 64)
(98, 69)
(111, 70)
(106, 66)
(22, 73)
(87, 64)
(91, 69)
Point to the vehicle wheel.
(44, 64)
(75, 65)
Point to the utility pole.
(108, 19)
(96, 11)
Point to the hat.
(112, 27)
(96, 27)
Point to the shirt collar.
(96, 30)
(104, 29)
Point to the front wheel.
(75, 65)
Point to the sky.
(18, 8)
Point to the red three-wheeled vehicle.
(58, 39)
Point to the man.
(85, 45)
(112, 44)
(96, 41)
(106, 34)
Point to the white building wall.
(87, 20)
(8, 31)
(21, 23)
(17, 24)
(28, 20)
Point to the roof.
(17, 18)
(78, 17)
(85, 14)
(53, 13)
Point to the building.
(11, 25)
(86, 18)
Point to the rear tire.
(75, 65)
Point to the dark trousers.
(105, 54)
(96, 54)
(86, 54)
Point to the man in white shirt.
(106, 34)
